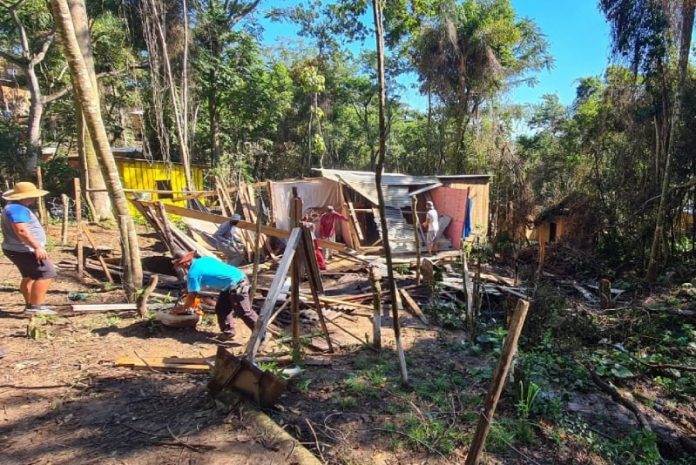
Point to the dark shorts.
(29, 266)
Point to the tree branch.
(19, 61)
(60, 93)
(38, 57)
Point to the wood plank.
(356, 224)
(102, 307)
(315, 284)
(276, 286)
(268, 230)
(413, 306)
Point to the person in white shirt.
(431, 224)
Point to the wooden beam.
(78, 220)
(268, 230)
(276, 286)
(315, 285)
(412, 306)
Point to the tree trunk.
(35, 114)
(87, 95)
(179, 118)
(377, 8)
(684, 48)
(93, 175)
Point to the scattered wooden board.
(412, 306)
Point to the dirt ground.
(63, 401)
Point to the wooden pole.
(78, 230)
(257, 243)
(295, 216)
(375, 278)
(604, 293)
(497, 384)
(64, 225)
(379, 36)
(416, 223)
(85, 231)
(542, 257)
(42, 205)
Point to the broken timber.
(268, 230)
(412, 306)
(276, 287)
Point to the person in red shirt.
(327, 225)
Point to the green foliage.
(447, 314)
(12, 149)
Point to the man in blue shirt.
(210, 273)
(24, 242)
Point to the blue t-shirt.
(15, 213)
(211, 273)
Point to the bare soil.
(62, 400)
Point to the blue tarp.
(467, 221)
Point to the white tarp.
(315, 193)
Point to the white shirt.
(433, 220)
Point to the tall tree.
(87, 95)
(379, 38)
(90, 164)
(644, 32)
(215, 32)
(30, 35)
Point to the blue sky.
(576, 31)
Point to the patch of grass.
(345, 402)
(302, 383)
(432, 431)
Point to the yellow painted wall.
(143, 175)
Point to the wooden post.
(542, 257)
(468, 290)
(604, 293)
(257, 242)
(309, 261)
(416, 224)
(43, 216)
(78, 230)
(375, 278)
(497, 384)
(295, 216)
(64, 225)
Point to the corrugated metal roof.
(388, 179)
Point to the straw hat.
(24, 190)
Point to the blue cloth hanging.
(467, 220)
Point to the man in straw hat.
(210, 273)
(24, 241)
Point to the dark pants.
(232, 304)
